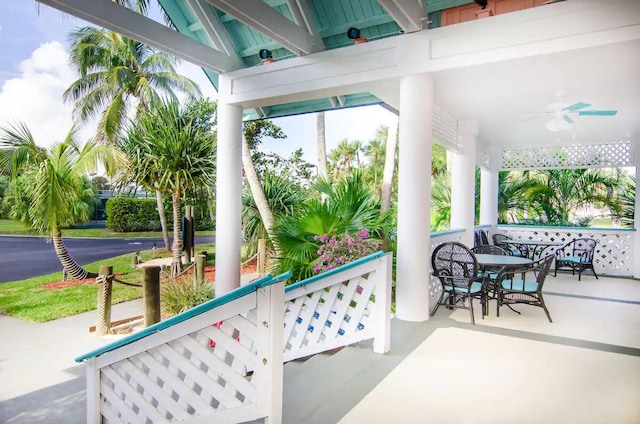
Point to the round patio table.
(501, 260)
(533, 246)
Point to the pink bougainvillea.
(338, 250)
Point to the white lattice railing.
(222, 361)
(218, 362)
(614, 253)
(435, 286)
(340, 307)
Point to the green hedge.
(130, 214)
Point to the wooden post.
(151, 294)
(262, 257)
(199, 274)
(186, 235)
(192, 231)
(103, 318)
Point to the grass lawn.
(8, 226)
(26, 299)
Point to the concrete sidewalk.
(39, 380)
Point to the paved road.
(25, 257)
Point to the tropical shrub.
(342, 249)
(130, 214)
(182, 294)
(350, 205)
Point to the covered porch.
(468, 87)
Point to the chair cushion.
(574, 259)
(475, 288)
(519, 285)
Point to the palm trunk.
(256, 190)
(176, 247)
(389, 168)
(163, 220)
(72, 267)
(387, 174)
(322, 146)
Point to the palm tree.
(322, 146)
(283, 196)
(57, 191)
(116, 73)
(168, 149)
(560, 192)
(628, 203)
(389, 168)
(251, 138)
(344, 156)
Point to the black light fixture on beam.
(482, 3)
(354, 34)
(266, 56)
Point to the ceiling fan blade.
(566, 118)
(577, 106)
(598, 113)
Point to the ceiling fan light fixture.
(556, 125)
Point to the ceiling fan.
(562, 115)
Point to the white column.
(414, 197)
(463, 182)
(636, 217)
(489, 191)
(228, 198)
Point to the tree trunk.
(176, 247)
(72, 267)
(322, 146)
(256, 190)
(389, 168)
(163, 220)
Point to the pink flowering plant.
(338, 250)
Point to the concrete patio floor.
(584, 367)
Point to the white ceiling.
(501, 95)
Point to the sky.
(35, 71)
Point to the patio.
(584, 367)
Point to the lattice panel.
(573, 156)
(435, 286)
(202, 373)
(445, 127)
(328, 318)
(614, 252)
(482, 156)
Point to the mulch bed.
(209, 271)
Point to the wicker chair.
(510, 245)
(513, 287)
(492, 272)
(477, 241)
(457, 269)
(489, 249)
(484, 238)
(577, 255)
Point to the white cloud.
(35, 96)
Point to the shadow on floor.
(48, 406)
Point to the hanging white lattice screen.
(482, 156)
(445, 128)
(615, 154)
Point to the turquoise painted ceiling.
(330, 19)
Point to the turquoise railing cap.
(200, 309)
(337, 270)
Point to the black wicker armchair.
(455, 265)
(577, 255)
(523, 285)
(510, 245)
